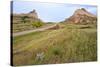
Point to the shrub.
(24, 19)
(57, 51)
(37, 24)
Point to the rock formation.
(82, 16)
(31, 16)
(23, 21)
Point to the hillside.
(81, 16)
(23, 21)
(72, 43)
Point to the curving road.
(35, 30)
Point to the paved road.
(29, 31)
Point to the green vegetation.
(19, 27)
(70, 43)
(25, 25)
(37, 24)
(24, 19)
(50, 23)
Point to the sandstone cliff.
(82, 16)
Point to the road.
(30, 31)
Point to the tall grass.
(56, 46)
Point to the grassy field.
(70, 43)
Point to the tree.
(24, 19)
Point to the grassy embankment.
(71, 43)
(20, 26)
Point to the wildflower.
(40, 56)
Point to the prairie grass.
(66, 45)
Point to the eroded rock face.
(82, 16)
(31, 16)
(23, 21)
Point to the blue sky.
(50, 12)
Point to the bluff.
(81, 16)
(23, 21)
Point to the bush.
(24, 19)
(57, 51)
(37, 24)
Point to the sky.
(50, 12)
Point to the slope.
(72, 43)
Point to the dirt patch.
(54, 28)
